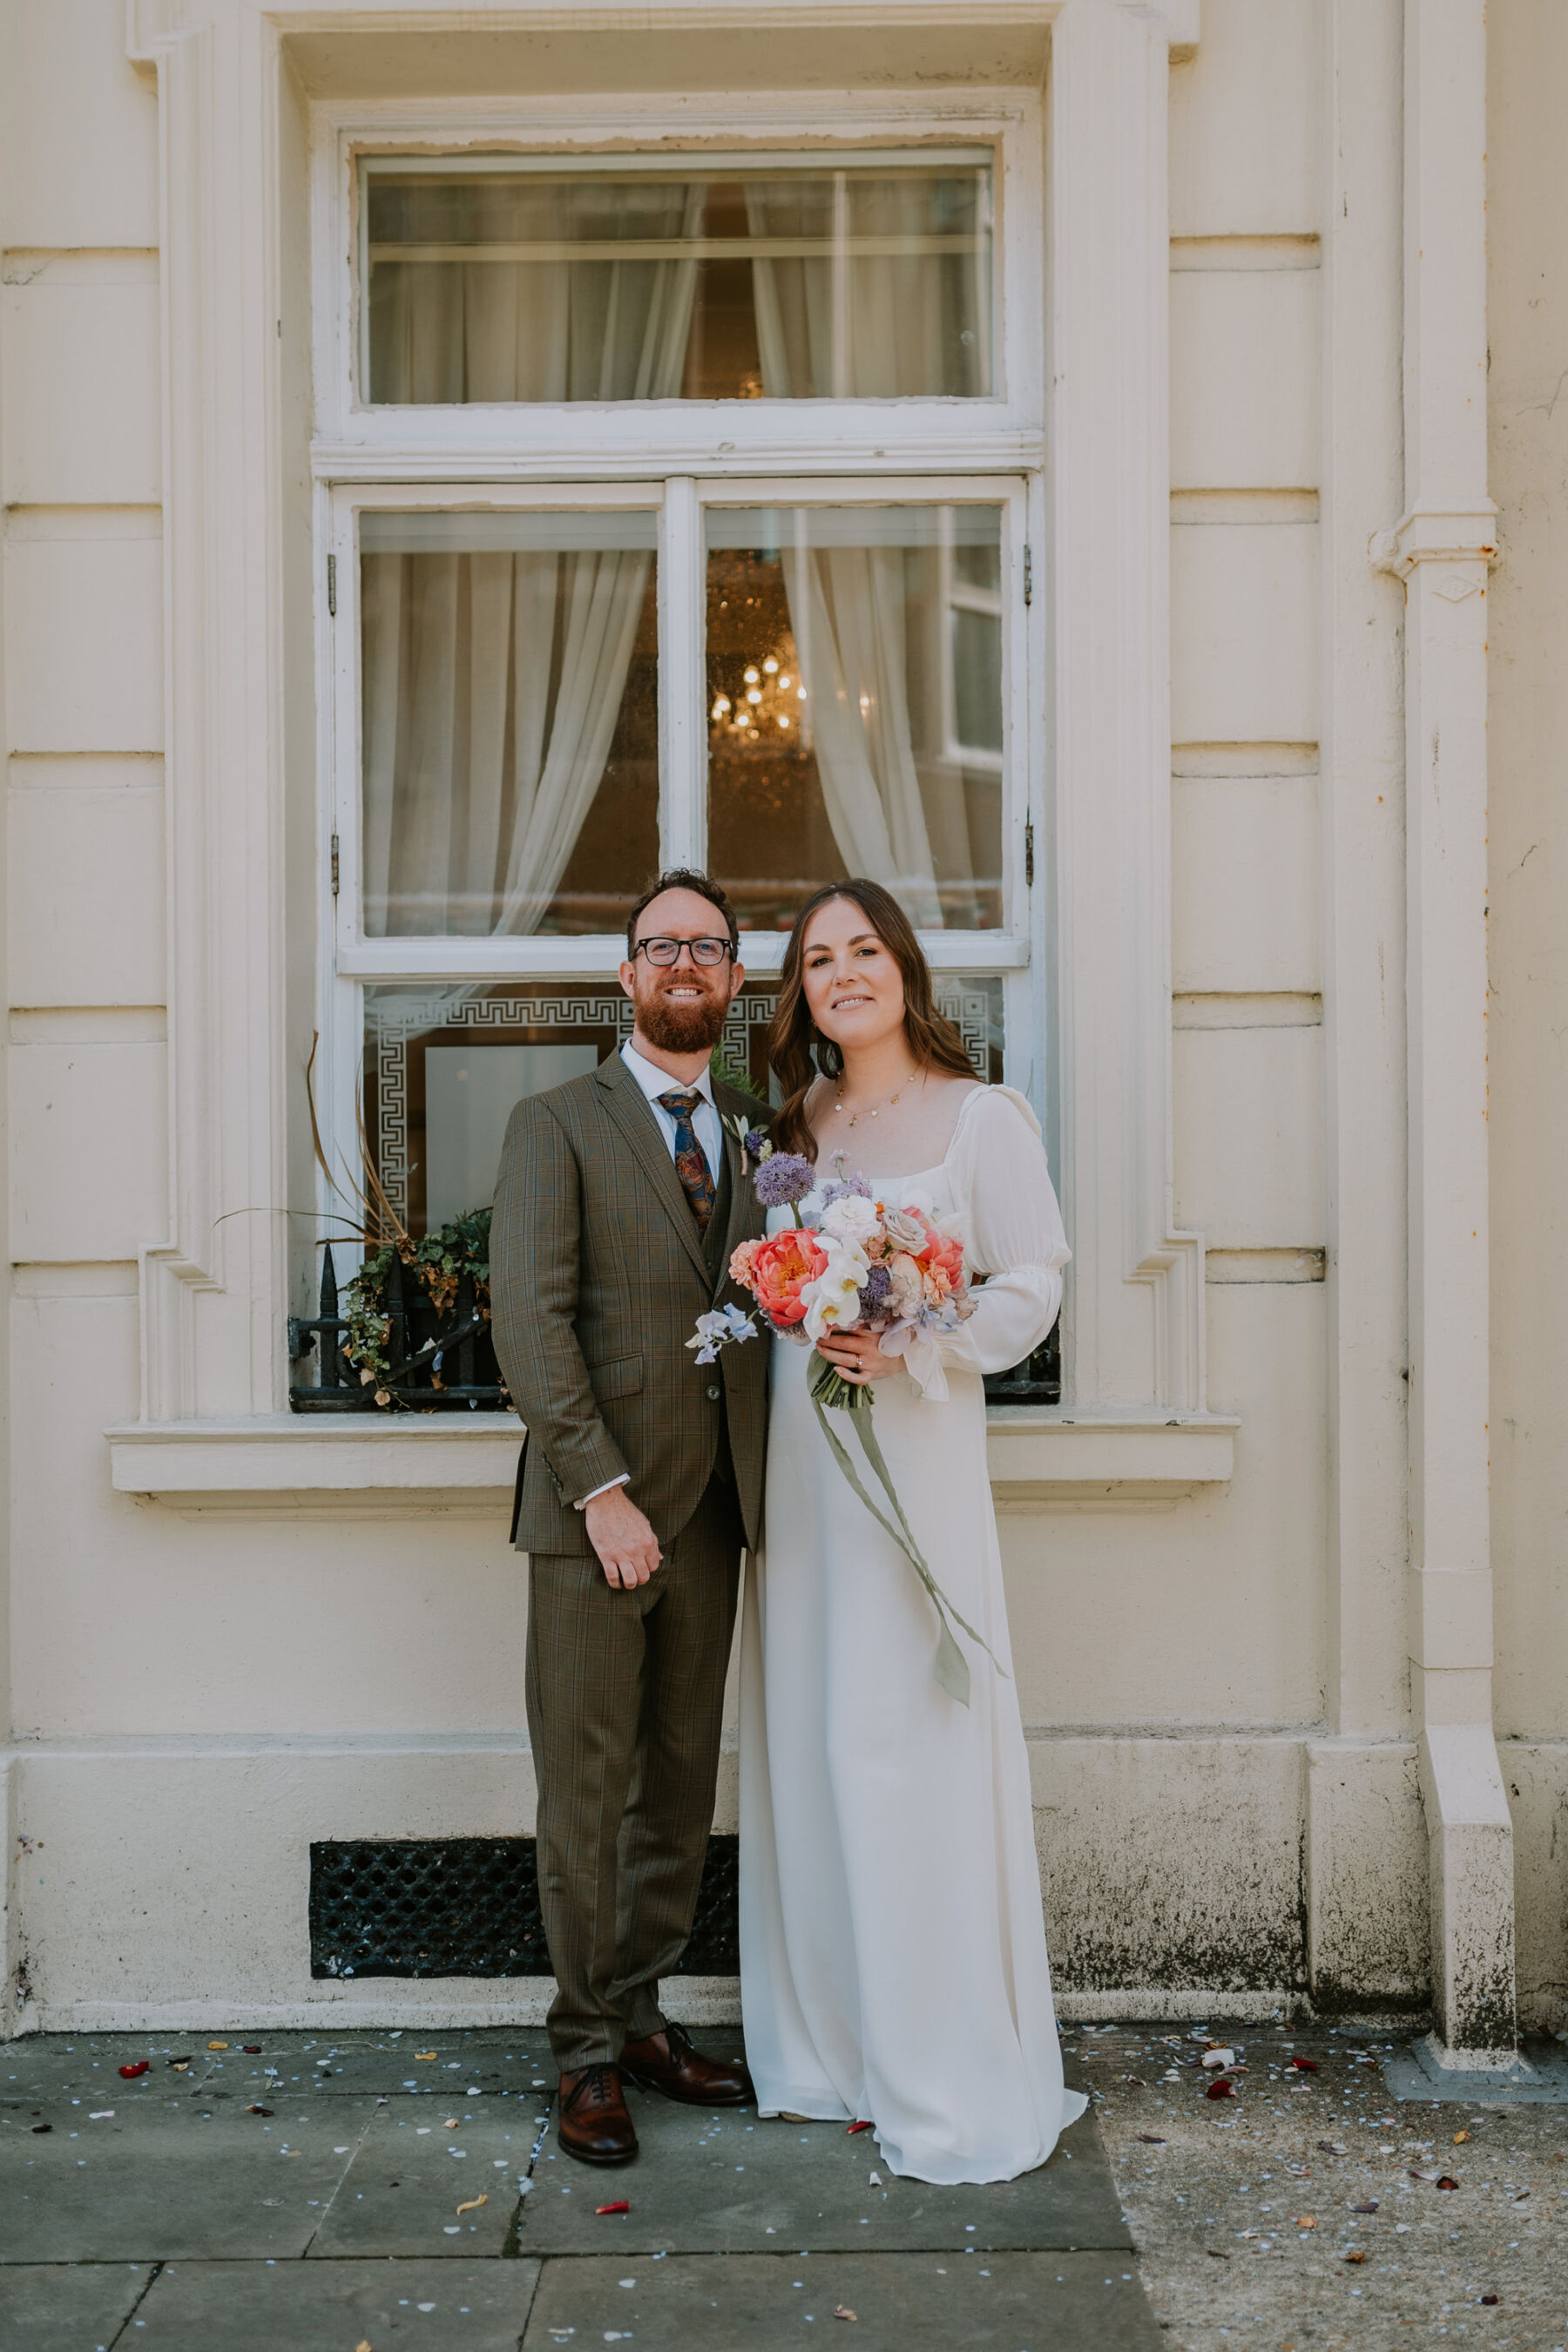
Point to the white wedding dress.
(893, 1949)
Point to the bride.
(892, 1949)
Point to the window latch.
(1028, 855)
(1028, 575)
(335, 865)
(332, 585)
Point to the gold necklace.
(855, 1116)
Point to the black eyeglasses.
(665, 952)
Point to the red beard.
(688, 1028)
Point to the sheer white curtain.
(494, 673)
(854, 329)
(493, 680)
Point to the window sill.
(291, 1462)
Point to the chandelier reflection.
(766, 706)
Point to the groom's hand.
(627, 1547)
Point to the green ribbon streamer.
(950, 1667)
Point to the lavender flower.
(784, 1179)
(755, 1144)
(844, 1188)
(841, 1186)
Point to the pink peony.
(779, 1270)
(741, 1262)
(942, 1261)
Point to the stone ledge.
(294, 1463)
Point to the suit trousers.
(626, 1702)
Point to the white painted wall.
(1216, 1685)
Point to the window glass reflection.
(510, 669)
(866, 280)
(855, 706)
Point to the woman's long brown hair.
(796, 1049)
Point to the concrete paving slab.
(153, 2181)
(409, 2176)
(902, 2303)
(69, 2307)
(330, 2306)
(730, 2184)
(494, 2063)
(77, 2065)
(1538, 2077)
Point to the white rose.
(903, 1231)
(851, 1219)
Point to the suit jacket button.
(713, 1395)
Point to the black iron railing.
(1036, 1381)
(440, 1362)
(448, 1362)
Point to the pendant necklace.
(855, 1116)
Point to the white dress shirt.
(655, 1082)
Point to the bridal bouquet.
(851, 1262)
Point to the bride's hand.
(856, 1355)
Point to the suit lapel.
(634, 1115)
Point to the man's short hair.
(684, 878)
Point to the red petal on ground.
(1304, 2065)
(855, 2128)
(621, 2205)
(131, 2073)
(1220, 2090)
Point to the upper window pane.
(510, 720)
(865, 278)
(855, 706)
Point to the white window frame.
(356, 959)
(571, 440)
(682, 507)
(687, 455)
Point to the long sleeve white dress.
(892, 1947)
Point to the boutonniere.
(754, 1144)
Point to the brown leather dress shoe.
(593, 2123)
(666, 2062)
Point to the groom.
(620, 1199)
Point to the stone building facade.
(1188, 373)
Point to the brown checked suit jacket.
(597, 1277)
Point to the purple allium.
(875, 1290)
(785, 1178)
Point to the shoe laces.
(596, 2086)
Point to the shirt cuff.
(584, 1501)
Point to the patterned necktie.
(690, 1161)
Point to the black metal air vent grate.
(470, 1907)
